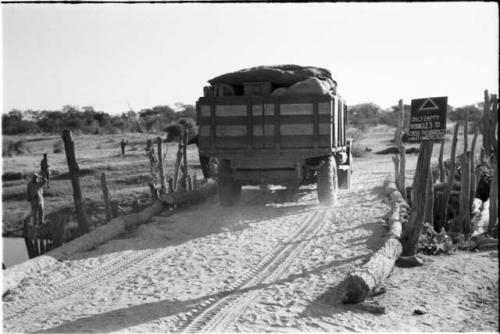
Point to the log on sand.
(15, 274)
(363, 281)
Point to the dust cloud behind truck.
(275, 125)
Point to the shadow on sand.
(122, 318)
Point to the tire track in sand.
(215, 313)
(121, 265)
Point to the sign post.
(428, 119)
(427, 125)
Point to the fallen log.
(15, 274)
(363, 281)
(203, 192)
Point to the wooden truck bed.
(296, 127)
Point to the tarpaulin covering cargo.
(282, 76)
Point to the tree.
(363, 115)
(475, 115)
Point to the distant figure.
(34, 195)
(44, 169)
(123, 143)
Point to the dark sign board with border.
(428, 119)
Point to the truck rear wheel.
(327, 181)
(229, 190)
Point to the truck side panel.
(264, 123)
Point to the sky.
(120, 56)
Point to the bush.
(364, 115)
(12, 176)
(58, 147)
(354, 133)
(357, 151)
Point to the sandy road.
(272, 263)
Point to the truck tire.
(229, 190)
(327, 182)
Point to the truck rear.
(275, 139)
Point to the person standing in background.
(34, 195)
(44, 169)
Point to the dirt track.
(272, 263)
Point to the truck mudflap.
(345, 168)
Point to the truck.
(261, 138)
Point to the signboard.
(428, 119)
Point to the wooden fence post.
(163, 184)
(429, 202)
(402, 152)
(69, 148)
(106, 197)
(473, 185)
(395, 160)
(418, 199)
(462, 222)
(442, 174)
(443, 213)
(170, 185)
(486, 126)
(494, 159)
(184, 153)
(177, 167)
(154, 191)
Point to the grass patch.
(17, 147)
(83, 172)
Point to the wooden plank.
(296, 141)
(297, 119)
(277, 133)
(324, 141)
(324, 108)
(296, 129)
(204, 131)
(263, 130)
(249, 126)
(231, 142)
(324, 129)
(241, 120)
(230, 130)
(230, 110)
(265, 109)
(290, 99)
(212, 126)
(296, 109)
(204, 110)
